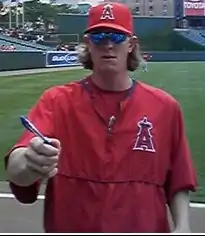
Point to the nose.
(108, 44)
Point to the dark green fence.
(31, 60)
(143, 26)
(21, 60)
(155, 33)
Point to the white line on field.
(197, 205)
(11, 196)
(42, 197)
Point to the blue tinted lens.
(118, 38)
(99, 38)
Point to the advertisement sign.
(62, 58)
(194, 7)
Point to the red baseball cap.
(110, 15)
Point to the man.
(119, 152)
(144, 61)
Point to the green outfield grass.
(185, 81)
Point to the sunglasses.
(100, 37)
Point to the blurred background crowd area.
(58, 24)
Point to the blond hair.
(133, 59)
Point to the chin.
(109, 68)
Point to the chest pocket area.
(143, 152)
(144, 166)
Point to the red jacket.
(116, 180)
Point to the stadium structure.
(161, 25)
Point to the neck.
(112, 82)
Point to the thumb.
(55, 142)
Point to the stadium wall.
(154, 33)
(32, 60)
(143, 26)
(21, 60)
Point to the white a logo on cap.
(107, 12)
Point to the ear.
(132, 43)
(86, 39)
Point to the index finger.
(43, 149)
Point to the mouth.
(107, 57)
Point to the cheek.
(125, 47)
(94, 51)
(93, 54)
(123, 51)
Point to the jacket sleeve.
(182, 174)
(41, 115)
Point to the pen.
(31, 127)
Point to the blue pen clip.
(31, 127)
